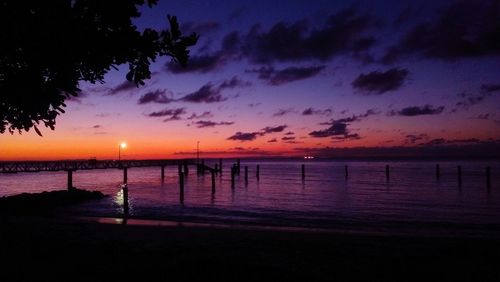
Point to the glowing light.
(122, 145)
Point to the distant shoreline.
(299, 158)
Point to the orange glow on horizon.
(175, 142)
(65, 147)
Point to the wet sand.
(70, 249)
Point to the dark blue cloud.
(208, 93)
(125, 86)
(462, 29)
(287, 75)
(343, 33)
(379, 82)
(198, 63)
(338, 130)
(200, 27)
(470, 99)
(417, 111)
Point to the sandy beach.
(55, 248)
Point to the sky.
(296, 78)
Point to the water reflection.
(122, 200)
(413, 194)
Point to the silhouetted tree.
(48, 47)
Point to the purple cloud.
(208, 123)
(312, 111)
(272, 129)
(172, 114)
(250, 136)
(122, 87)
(242, 136)
(282, 112)
(157, 96)
(206, 114)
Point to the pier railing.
(37, 166)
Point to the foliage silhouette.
(48, 47)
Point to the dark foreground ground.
(38, 244)
(51, 248)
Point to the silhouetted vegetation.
(41, 203)
(48, 47)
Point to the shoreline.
(52, 247)
(57, 245)
(60, 205)
(422, 230)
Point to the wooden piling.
(125, 178)
(233, 172)
(387, 173)
(459, 174)
(216, 168)
(246, 174)
(303, 171)
(70, 179)
(258, 172)
(181, 187)
(238, 166)
(162, 172)
(438, 172)
(346, 172)
(179, 168)
(186, 168)
(488, 177)
(213, 182)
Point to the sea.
(412, 201)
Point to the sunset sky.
(283, 78)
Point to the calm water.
(412, 197)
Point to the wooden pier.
(37, 166)
(71, 166)
(74, 165)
